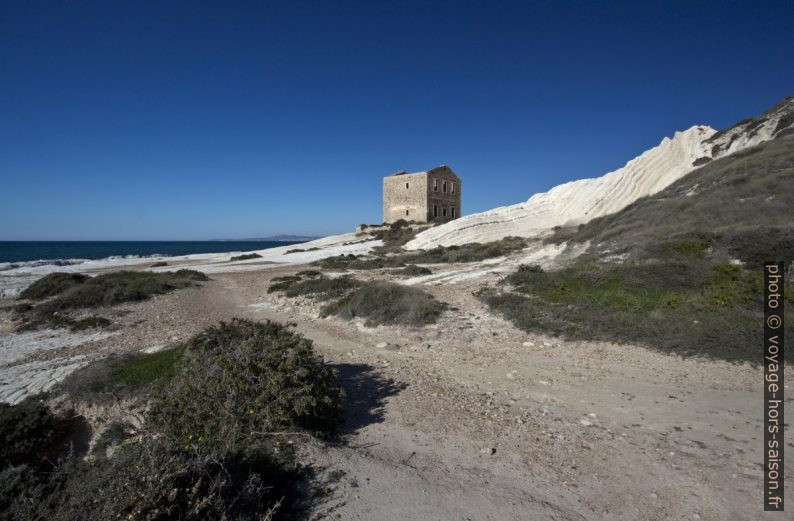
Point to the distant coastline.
(273, 238)
(66, 252)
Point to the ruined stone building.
(428, 196)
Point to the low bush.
(92, 322)
(382, 302)
(394, 237)
(28, 431)
(153, 480)
(694, 307)
(755, 247)
(353, 262)
(412, 270)
(51, 285)
(471, 252)
(316, 285)
(241, 378)
(160, 264)
(210, 447)
(245, 256)
(107, 289)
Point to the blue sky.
(198, 120)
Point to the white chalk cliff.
(579, 201)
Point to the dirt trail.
(474, 419)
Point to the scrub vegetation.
(471, 252)
(378, 302)
(679, 271)
(192, 459)
(245, 256)
(57, 296)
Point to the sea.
(55, 252)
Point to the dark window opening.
(435, 210)
(406, 185)
(452, 210)
(435, 185)
(406, 212)
(444, 187)
(444, 211)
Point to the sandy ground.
(473, 419)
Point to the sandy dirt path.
(473, 419)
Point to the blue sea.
(57, 251)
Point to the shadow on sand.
(366, 394)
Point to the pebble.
(381, 345)
(586, 423)
(488, 450)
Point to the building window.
(406, 212)
(406, 186)
(435, 185)
(452, 188)
(444, 187)
(452, 212)
(444, 211)
(435, 210)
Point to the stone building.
(422, 197)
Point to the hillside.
(583, 200)
(678, 271)
(742, 203)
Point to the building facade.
(422, 197)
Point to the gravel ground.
(472, 418)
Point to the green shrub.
(27, 432)
(92, 322)
(323, 288)
(245, 256)
(353, 262)
(471, 252)
(694, 307)
(107, 289)
(394, 237)
(317, 286)
(412, 270)
(382, 302)
(688, 247)
(755, 247)
(242, 377)
(337, 262)
(51, 285)
(308, 273)
(152, 480)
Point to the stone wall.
(405, 197)
(443, 195)
(422, 197)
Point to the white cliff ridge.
(579, 201)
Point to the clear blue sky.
(199, 120)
